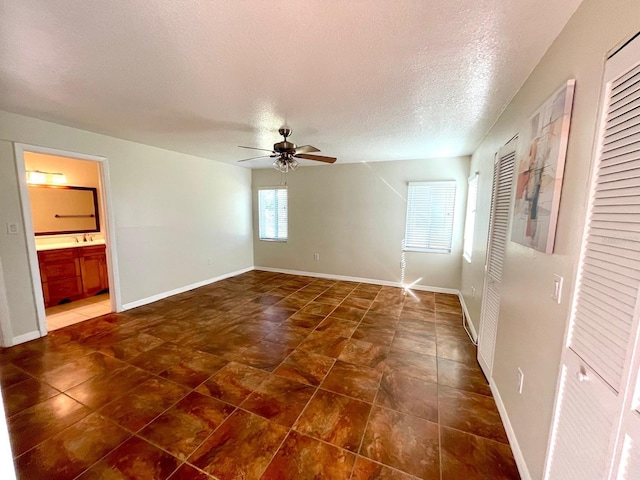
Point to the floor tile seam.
(15, 457)
(35, 404)
(410, 415)
(131, 435)
(367, 423)
(292, 429)
(122, 394)
(465, 390)
(395, 469)
(324, 441)
(487, 439)
(30, 375)
(346, 450)
(71, 425)
(461, 362)
(208, 475)
(325, 389)
(255, 390)
(457, 429)
(439, 446)
(276, 450)
(189, 392)
(175, 470)
(139, 435)
(103, 457)
(311, 385)
(139, 438)
(194, 450)
(41, 379)
(363, 315)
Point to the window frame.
(430, 246)
(276, 222)
(470, 217)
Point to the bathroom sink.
(57, 246)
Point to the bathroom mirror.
(57, 210)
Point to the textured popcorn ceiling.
(361, 80)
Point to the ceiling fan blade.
(254, 148)
(317, 158)
(306, 149)
(253, 158)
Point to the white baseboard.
(467, 319)
(25, 337)
(186, 288)
(513, 441)
(346, 278)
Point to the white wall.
(531, 326)
(173, 212)
(353, 215)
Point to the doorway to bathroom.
(65, 202)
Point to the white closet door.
(498, 235)
(627, 460)
(593, 401)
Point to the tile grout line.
(252, 413)
(316, 387)
(373, 404)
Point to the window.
(273, 219)
(430, 207)
(470, 219)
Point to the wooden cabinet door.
(68, 289)
(104, 273)
(92, 276)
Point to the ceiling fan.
(286, 153)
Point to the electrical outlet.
(316, 256)
(12, 228)
(209, 261)
(473, 292)
(520, 380)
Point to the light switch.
(12, 228)
(557, 288)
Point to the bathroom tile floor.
(78, 311)
(260, 376)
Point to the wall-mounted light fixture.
(45, 178)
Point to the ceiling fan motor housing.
(285, 147)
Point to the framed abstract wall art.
(540, 173)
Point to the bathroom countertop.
(57, 246)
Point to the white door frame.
(109, 225)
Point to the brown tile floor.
(261, 376)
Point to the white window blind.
(273, 218)
(470, 219)
(430, 208)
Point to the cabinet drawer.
(60, 270)
(68, 289)
(57, 255)
(93, 250)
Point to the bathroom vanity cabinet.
(72, 273)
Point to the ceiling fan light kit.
(286, 154)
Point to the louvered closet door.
(498, 230)
(624, 130)
(595, 389)
(627, 459)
